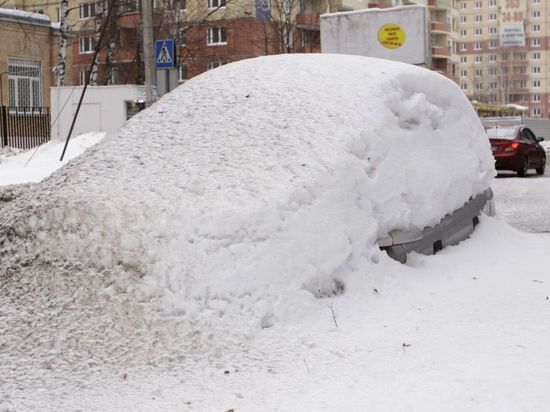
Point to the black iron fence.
(24, 127)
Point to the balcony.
(308, 21)
(441, 52)
(441, 28)
(440, 4)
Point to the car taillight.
(512, 147)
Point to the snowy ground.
(142, 278)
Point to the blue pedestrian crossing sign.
(165, 54)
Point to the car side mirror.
(540, 139)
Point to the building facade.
(503, 49)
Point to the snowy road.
(524, 202)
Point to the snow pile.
(232, 206)
(18, 166)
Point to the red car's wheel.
(524, 167)
(540, 170)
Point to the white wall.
(103, 108)
(357, 32)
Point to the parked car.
(516, 148)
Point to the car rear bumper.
(508, 161)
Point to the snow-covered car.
(227, 207)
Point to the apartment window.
(535, 1)
(536, 14)
(182, 40)
(214, 4)
(492, 3)
(86, 10)
(492, 30)
(114, 79)
(535, 28)
(463, 19)
(478, 32)
(182, 72)
(478, 4)
(463, 33)
(492, 57)
(492, 71)
(492, 16)
(535, 56)
(82, 77)
(535, 84)
(479, 86)
(87, 44)
(536, 112)
(478, 72)
(478, 59)
(464, 86)
(463, 5)
(493, 85)
(535, 98)
(463, 73)
(492, 44)
(535, 69)
(463, 47)
(478, 18)
(463, 59)
(477, 45)
(213, 65)
(535, 42)
(217, 36)
(522, 84)
(24, 82)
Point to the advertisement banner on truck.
(399, 33)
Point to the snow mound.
(249, 192)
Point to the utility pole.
(148, 57)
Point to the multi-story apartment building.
(503, 47)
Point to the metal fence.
(24, 127)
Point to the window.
(535, 69)
(478, 72)
(478, 32)
(536, 14)
(492, 3)
(535, 84)
(463, 19)
(492, 16)
(492, 57)
(478, 59)
(87, 44)
(536, 112)
(477, 4)
(479, 86)
(463, 5)
(24, 83)
(82, 77)
(463, 59)
(214, 4)
(535, 98)
(464, 86)
(477, 45)
(493, 85)
(86, 10)
(535, 42)
(522, 84)
(535, 1)
(213, 65)
(492, 71)
(535, 56)
(463, 47)
(535, 28)
(182, 72)
(463, 73)
(492, 44)
(463, 33)
(114, 76)
(217, 36)
(492, 30)
(478, 18)
(182, 40)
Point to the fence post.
(4, 116)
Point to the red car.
(516, 148)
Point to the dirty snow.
(220, 253)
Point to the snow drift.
(237, 199)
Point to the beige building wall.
(490, 73)
(27, 41)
